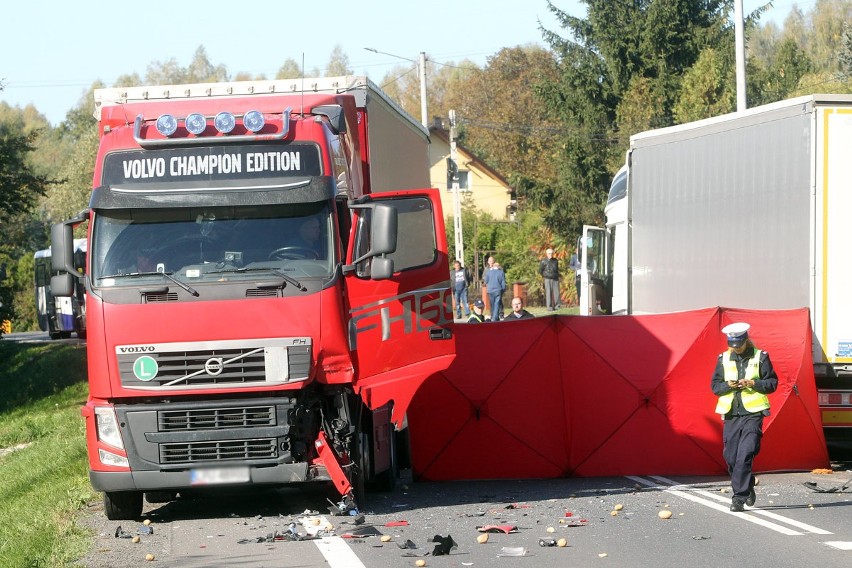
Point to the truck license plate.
(219, 475)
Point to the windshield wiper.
(168, 275)
(287, 278)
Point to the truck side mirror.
(62, 285)
(62, 247)
(381, 268)
(382, 223)
(384, 230)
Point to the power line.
(400, 77)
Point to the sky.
(53, 50)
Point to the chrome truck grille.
(212, 364)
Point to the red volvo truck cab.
(266, 287)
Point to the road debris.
(836, 489)
(507, 529)
(444, 545)
(513, 551)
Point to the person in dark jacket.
(743, 377)
(549, 270)
(518, 311)
(495, 285)
(461, 280)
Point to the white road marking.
(768, 514)
(337, 553)
(685, 492)
(839, 545)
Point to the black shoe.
(751, 497)
(737, 506)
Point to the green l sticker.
(145, 368)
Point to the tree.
(828, 19)
(844, 56)
(338, 63)
(200, 70)
(290, 69)
(501, 118)
(707, 88)
(19, 186)
(19, 189)
(620, 67)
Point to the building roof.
(471, 158)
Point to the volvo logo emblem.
(214, 366)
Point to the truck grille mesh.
(215, 418)
(218, 451)
(215, 364)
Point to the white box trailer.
(746, 210)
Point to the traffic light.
(452, 173)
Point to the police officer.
(478, 315)
(742, 379)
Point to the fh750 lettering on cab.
(266, 287)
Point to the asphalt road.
(790, 525)
(37, 337)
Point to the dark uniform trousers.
(741, 435)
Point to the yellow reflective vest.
(753, 401)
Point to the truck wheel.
(386, 480)
(122, 505)
(358, 474)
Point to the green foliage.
(501, 119)
(517, 245)
(33, 371)
(709, 88)
(44, 481)
(844, 55)
(21, 285)
(19, 185)
(199, 70)
(338, 63)
(69, 197)
(290, 69)
(620, 67)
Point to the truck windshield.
(211, 244)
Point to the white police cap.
(737, 333)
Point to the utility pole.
(739, 42)
(424, 116)
(453, 169)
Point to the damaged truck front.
(267, 286)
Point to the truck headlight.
(166, 124)
(107, 427)
(109, 458)
(224, 122)
(253, 120)
(196, 123)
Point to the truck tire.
(360, 469)
(385, 481)
(122, 505)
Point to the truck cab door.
(400, 316)
(593, 294)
